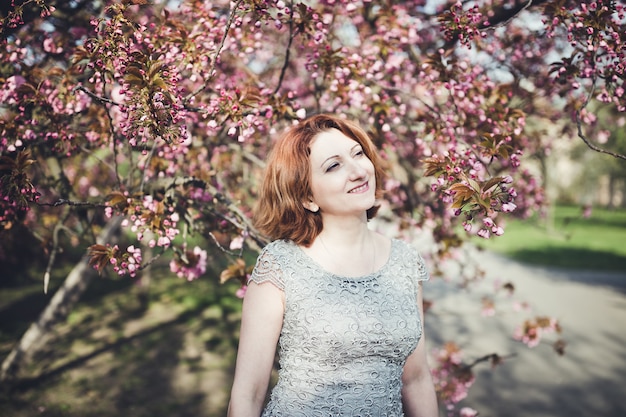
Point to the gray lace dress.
(344, 341)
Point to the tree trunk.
(60, 305)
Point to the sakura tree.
(157, 115)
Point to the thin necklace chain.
(332, 258)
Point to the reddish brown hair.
(280, 213)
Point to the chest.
(335, 318)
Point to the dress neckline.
(326, 272)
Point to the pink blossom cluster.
(497, 129)
(529, 194)
(533, 330)
(13, 206)
(17, 192)
(451, 376)
(151, 219)
(190, 264)
(150, 109)
(8, 93)
(15, 13)
(598, 51)
(60, 103)
(33, 86)
(126, 262)
(243, 113)
(464, 25)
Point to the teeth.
(356, 190)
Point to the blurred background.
(159, 346)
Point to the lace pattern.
(344, 340)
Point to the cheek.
(318, 187)
(323, 190)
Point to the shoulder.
(271, 263)
(277, 252)
(404, 248)
(411, 257)
(278, 248)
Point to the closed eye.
(332, 166)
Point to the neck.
(350, 252)
(345, 231)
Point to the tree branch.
(579, 124)
(503, 16)
(239, 219)
(148, 159)
(500, 17)
(493, 357)
(587, 142)
(59, 306)
(104, 101)
(287, 50)
(100, 99)
(53, 254)
(65, 202)
(231, 18)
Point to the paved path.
(589, 381)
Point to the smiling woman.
(340, 171)
(280, 213)
(343, 302)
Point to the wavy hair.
(280, 213)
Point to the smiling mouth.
(360, 188)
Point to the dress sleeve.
(421, 270)
(267, 268)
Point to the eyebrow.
(358, 145)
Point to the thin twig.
(287, 50)
(591, 146)
(65, 202)
(491, 356)
(100, 99)
(219, 245)
(53, 253)
(505, 22)
(151, 261)
(243, 223)
(150, 155)
(579, 126)
(114, 138)
(231, 18)
(102, 161)
(104, 101)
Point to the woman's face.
(343, 180)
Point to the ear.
(311, 206)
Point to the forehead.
(330, 142)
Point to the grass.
(567, 240)
(162, 349)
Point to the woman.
(343, 302)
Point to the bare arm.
(261, 322)
(418, 391)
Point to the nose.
(357, 171)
